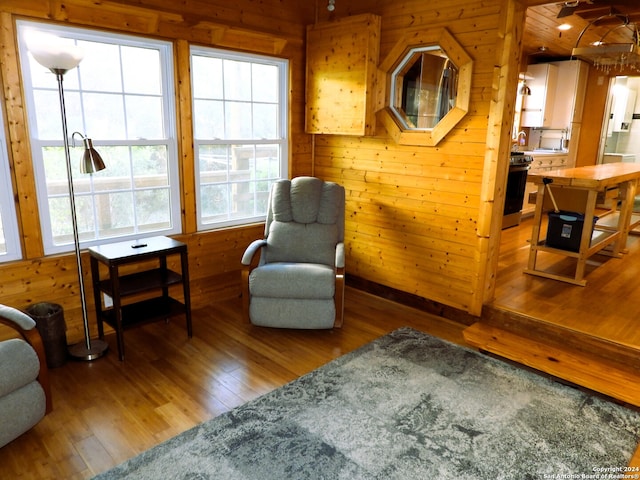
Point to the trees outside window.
(121, 95)
(240, 134)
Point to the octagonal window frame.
(404, 49)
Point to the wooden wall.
(426, 220)
(423, 220)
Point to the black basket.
(565, 230)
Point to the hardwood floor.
(106, 411)
(606, 308)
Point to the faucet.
(519, 141)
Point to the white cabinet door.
(565, 94)
(570, 91)
(537, 110)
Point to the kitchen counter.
(535, 153)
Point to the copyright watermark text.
(598, 473)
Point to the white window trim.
(7, 205)
(166, 49)
(283, 128)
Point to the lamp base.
(97, 349)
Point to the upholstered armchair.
(294, 276)
(24, 379)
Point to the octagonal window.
(424, 87)
(428, 87)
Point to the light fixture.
(91, 160)
(524, 88)
(606, 56)
(331, 6)
(60, 57)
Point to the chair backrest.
(305, 221)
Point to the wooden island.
(582, 190)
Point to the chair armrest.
(251, 250)
(247, 265)
(25, 326)
(16, 319)
(340, 255)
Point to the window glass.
(120, 96)
(239, 116)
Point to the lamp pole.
(59, 59)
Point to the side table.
(122, 317)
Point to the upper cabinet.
(537, 108)
(557, 94)
(570, 91)
(342, 63)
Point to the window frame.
(168, 140)
(282, 134)
(8, 214)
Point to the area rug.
(406, 406)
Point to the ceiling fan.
(568, 8)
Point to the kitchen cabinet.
(537, 108)
(570, 91)
(557, 94)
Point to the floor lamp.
(59, 59)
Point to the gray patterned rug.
(406, 406)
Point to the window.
(429, 75)
(9, 237)
(240, 134)
(121, 96)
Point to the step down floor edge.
(583, 370)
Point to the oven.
(519, 165)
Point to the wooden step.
(582, 369)
(622, 354)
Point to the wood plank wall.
(421, 220)
(274, 27)
(425, 220)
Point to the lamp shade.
(91, 160)
(524, 88)
(53, 53)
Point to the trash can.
(49, 318)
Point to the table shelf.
(599, 239)
(142, 282)
(610, 221)
(146, 311)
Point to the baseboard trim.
(411, 300)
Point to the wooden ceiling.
(543, 41)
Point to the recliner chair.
(298, 281)
(25, 396)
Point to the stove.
(519, 165)
(519, 158)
